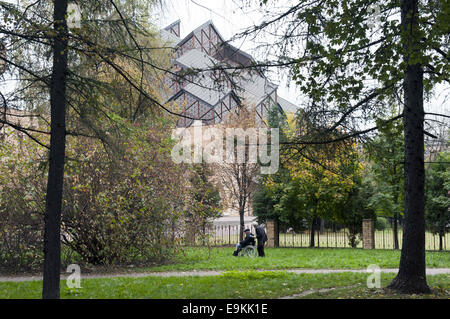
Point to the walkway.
(430, 271)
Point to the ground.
(285, 273)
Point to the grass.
(241, 281)
(288, 258)
(440, 287)
(243, 284)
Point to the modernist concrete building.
(217, 77)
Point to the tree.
(238, 176)
(352, 63)
(321, 178)
(112, 36)
(266, 198)
(357, 207)
(437, 195)
(386, 153)
(53, 206)
(204, 201)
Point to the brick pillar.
(189, 235)
(368, 233)
(272, 233)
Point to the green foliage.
(266, 198)
(437, 194)
(355, 209)
(117, 208)
(346, 44)
(203, 202)
(385, 156)
(205, 196)
(263, 205)
(123, 209)
(22, 190)
(381, 223)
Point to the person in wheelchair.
(248, 240)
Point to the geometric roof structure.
(211, 87)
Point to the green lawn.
(287, 258)
(241, 281)
(243, 284)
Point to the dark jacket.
(248, 240)
(260, 234)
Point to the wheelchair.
(248, 251)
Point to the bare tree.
(239, 177)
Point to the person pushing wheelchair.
(262, 238)
(248, 240)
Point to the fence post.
(293, 239)
(335, 237)
(368, 231)
(189, 235)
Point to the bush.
(21, 241)
(21, 205)
(127, 208)
(381, 223)
(117, 208)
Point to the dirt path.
(430, 271)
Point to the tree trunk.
(53, 205)
(313, 232)
(241, 222)
(411, 277)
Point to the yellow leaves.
(270, 182)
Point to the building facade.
(212, 78)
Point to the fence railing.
(228, 235)
(222, 235)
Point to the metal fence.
(223, 235)
(384, 239)
(228, 235)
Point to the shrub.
(21, 205)
(117, 208)
(125, 208)
(381, 223)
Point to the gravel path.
(430, 271)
